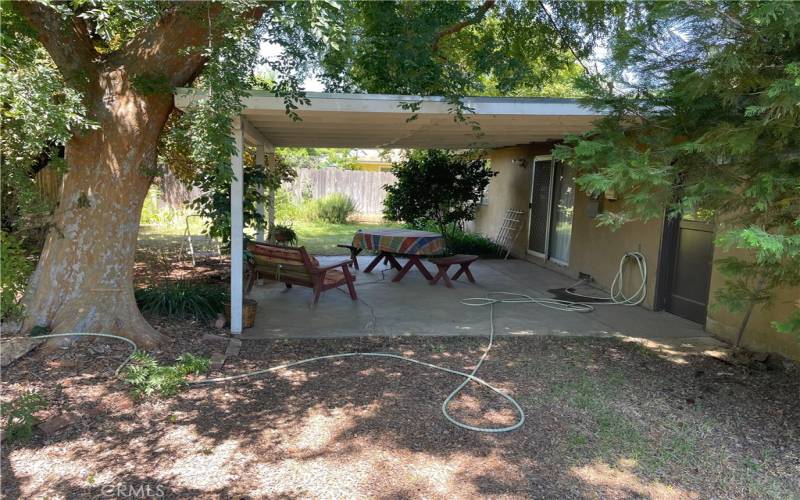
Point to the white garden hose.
(106, 335)
(489, 300)
(616, 295)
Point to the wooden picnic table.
(391, 243)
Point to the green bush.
(440, 186)
(149, 378)
(307, 210)
(335, 208)
(14, 272)
(286, 208)
(164, 215)
(150, 207)
(474, 244)
(464, 242)
(182, 299)
(19, 416)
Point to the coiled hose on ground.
(490, 300)
(616, 294)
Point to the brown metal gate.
(685, 268)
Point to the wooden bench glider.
(293, 266)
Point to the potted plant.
(283, 234)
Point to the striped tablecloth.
(399, 241)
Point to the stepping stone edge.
(55, 424)
(234, 346)
(217, 360)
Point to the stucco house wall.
(509, 189)
(597, 250)
(593, 250)
(759, 335)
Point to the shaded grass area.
(319, 238)
(696, 427)
(605, 418)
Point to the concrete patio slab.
(414, 307)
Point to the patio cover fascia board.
(382, 121)
(374, 121)
(390, 103)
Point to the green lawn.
(319, 238)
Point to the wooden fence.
(48, 181)
(173, 192)
(365, 188)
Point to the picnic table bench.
(443, 265)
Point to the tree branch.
(475, 18)
(563, 38)
(165, 47)
(66, 40)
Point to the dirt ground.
(604, 418)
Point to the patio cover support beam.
(260, 206)
(237, 227)
(271, 159)
(253, 136)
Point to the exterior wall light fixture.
(520, 162)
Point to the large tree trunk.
(84, 279)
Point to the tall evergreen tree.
(703, 102)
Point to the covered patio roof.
(379, 121)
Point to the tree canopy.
(703, 118)
(454, 49)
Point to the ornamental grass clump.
(335, 208)
(182, 299)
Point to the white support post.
(271, 219)
(237, 229)
(260, 206)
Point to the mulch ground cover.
(604, 418)
(153, 268)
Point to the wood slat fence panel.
(365, 188)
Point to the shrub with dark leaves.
(182, 299)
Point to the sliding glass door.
(540, 206)
(551, 206)
(561, 219)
